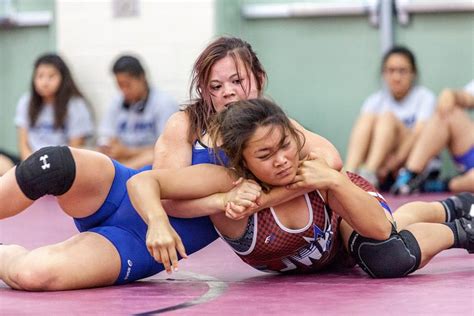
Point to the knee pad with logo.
(50, 170)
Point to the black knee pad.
(50, 170)
(395, 257)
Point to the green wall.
(321, 69)
(444, 46)
(19, 47)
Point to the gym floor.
(215, 281)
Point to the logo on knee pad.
(45, 165)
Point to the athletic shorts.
(465, 162)
(118, 221)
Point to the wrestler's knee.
(50, 170)
(395, 257)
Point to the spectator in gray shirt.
(136, 117)
(53, 113)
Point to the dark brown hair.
(66, 90)
(235, 125)
(405, 52)
(201, 110)
(130, 65)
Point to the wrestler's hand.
(162, 241)
(237, 212)
(242, 198)
(314, 173)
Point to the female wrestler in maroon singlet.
(308, 232)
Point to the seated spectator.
(390, 121)
(450, 127)
(136, 117)
(53, 113)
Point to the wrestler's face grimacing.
(271, 154)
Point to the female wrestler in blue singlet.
(110, 248)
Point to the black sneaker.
(465, 228)
(464, 204)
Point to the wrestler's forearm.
(205, 206)
(321, 146)
(361, 210)
(144, 193)
(192, 191)
(279, 195)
